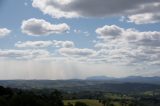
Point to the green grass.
(151, 93)
(116, 96)
(89, 102)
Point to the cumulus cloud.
(4, 32)
(33, 44)
(128, 46)
(43, 44)
(144, 18)
(37, 27)
(148, 13)
(23, 54)
(94, 8)
(111, 31)
(148, 38)
(64, 44)
(77, 52)
(52, 8)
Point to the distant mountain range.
(100, 78)
(95, 83)
(125, 85)
(131, 79)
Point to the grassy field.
(116, 96)
(89, 102)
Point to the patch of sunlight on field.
(89, 102)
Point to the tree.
(3, 102)
(25, 100)
(5, 91)
(56, 98)
(104, 102)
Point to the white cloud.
(111, 31)
(128, 46)
(37, 27)
(64, 44)
(4, 32)
(80, 32)
(94, 8)
(144, 18)
(23, 54)
(48, 7)
(33, 44)
(77, 31)
(148, 13)
(77, 52)
(43, 44)
(148, 38)
(134, 10)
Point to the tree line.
(16, 97)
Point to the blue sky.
(62, 39)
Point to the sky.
(75, 39)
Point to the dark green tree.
(56, 98)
